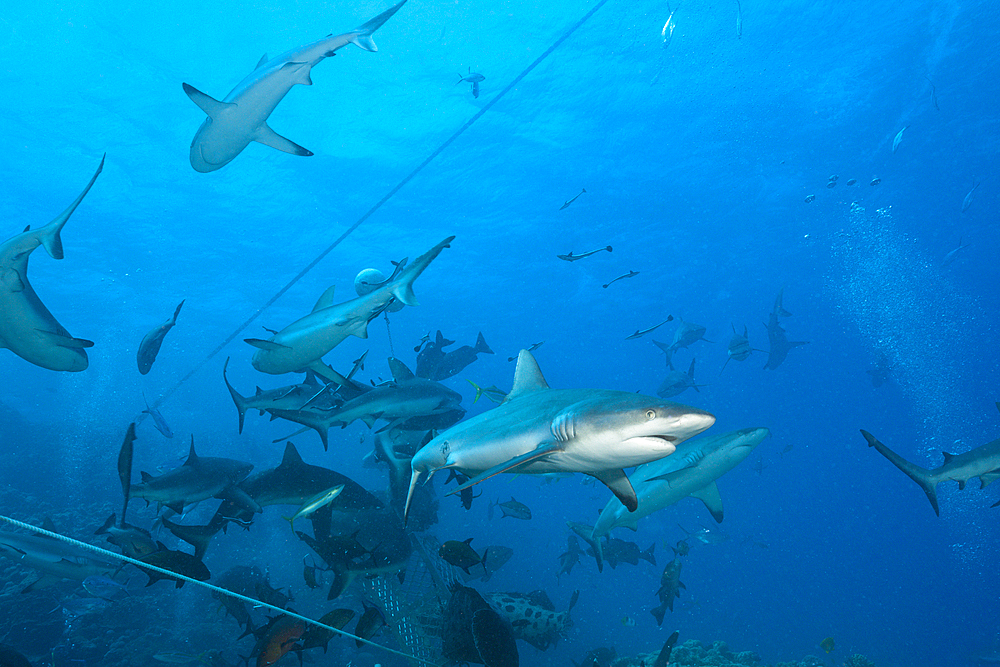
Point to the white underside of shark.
(242, 116)
(27, 327)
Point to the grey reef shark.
(982, 462)
(690, 471)
(27, 328)
(52, 558)
(302, 344)
(151, 342)
(242, 116)
(542, 430)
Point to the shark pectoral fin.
(713, 501)
(617, 481)
(268, 345)
(65, 341)
(988, 478)
(11, 279)
(543, 449)
(269, 137)
(207, 103)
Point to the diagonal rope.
(389, 195)
(175, 575)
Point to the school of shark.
(392, 579)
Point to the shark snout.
(692, 423)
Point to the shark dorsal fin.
(192, 458)
(399, 370)
(947, 457)
(263, 59)
(292, 456)
(528, 376)
(325, 299)
(49, 525)
(145, 476)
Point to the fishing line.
(223, 591)
(389, 195)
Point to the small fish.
(572, 258)
(371, 621)
(103, 587)
(489, 508)
(158, 421)
(707, 535)
(967, 202)
(426, 337)
(810, 199)
(830, 185)
(628, 621)
(851, 181)
(682, 548)
(759, 466)
(834, 178)
(515, 510)
(898, 140)
(630, 274)
(952, 254)
(827, 644)
(492, 392)
(739, 20)
(570, 201)
(534, 346)
(84, 606)
(321, 499)
(933, 92)
(461, 554)
(642, 332)
(668, 28)
(787, 449)
(309, 574)
(875, 181)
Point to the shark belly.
(31, 332)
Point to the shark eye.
(650, 414)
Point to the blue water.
(697, 159)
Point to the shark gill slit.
(360, 221)
(217, 589)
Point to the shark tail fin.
(481, 346)
(402, 288)
(363, 35)
(49, 234)
(238, 399)
(921, 476)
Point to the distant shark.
(200, 478)
(302, 344)
(780, 345)
(242, 116)
(52, 558)
(541, 430)
(27, 328)
(982, 462)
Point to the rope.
(388, 331)
(174, 575)
(389, 195)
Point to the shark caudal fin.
(402, 287)
(238, 399)
(921, 476)
(48, 235)
(587, 534)
(481, 346)
(363, 35)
